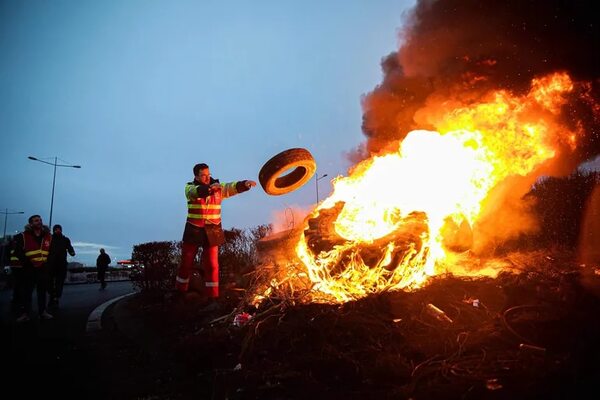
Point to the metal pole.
(52, 201)
(5, 212)
(317, 187)
(317, 178)
(4, 245)
(55, 164)
(4, 237)
(5, 217)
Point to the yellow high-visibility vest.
(206, 210)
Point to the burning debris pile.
(514, 336)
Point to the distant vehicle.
(128, 264)
(75, 266)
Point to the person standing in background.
(16, 272)
(102, 263)
(57, 263)
(32, 247)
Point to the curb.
(94, 321)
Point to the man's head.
(101, 251)
(35, 221)
(57, 229)
(202, 173)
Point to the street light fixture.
(54, 164)
(317, 179)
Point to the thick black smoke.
(462, 48)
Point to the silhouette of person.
(16, 272)
(102, 263)
(57, 262)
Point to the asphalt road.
(51, 357)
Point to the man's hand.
(250, 184)
(215, 187)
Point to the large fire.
(443, 176)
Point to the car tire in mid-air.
(287, 171)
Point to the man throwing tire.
(203, 227)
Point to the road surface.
(50, 356)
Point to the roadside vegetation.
(158, 262)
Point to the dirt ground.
(518, 336)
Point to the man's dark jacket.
(59, 247)
(102, 261)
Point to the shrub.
(159, 261)
(560, 203)
(238, 256)
(158, 266)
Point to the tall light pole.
(317, 179)
(54, 164)
(6, 213)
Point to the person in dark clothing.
(16, 271)
(57, 262)
(102, 263)
(32, 247)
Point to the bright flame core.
(445, 176)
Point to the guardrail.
(92, 276)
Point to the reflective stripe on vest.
(14, 260)
(37, 253)
(207, 209)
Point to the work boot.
(192, 296)
(212, 305)
(191, 300)
(171, 295)
(46, 315)
(23, 318)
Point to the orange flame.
(445, 174)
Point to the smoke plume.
(456, 51)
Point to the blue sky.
(137, 92)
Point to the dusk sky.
(137, 92)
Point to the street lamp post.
(54, 164)
(6, 213)
(317, 179)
